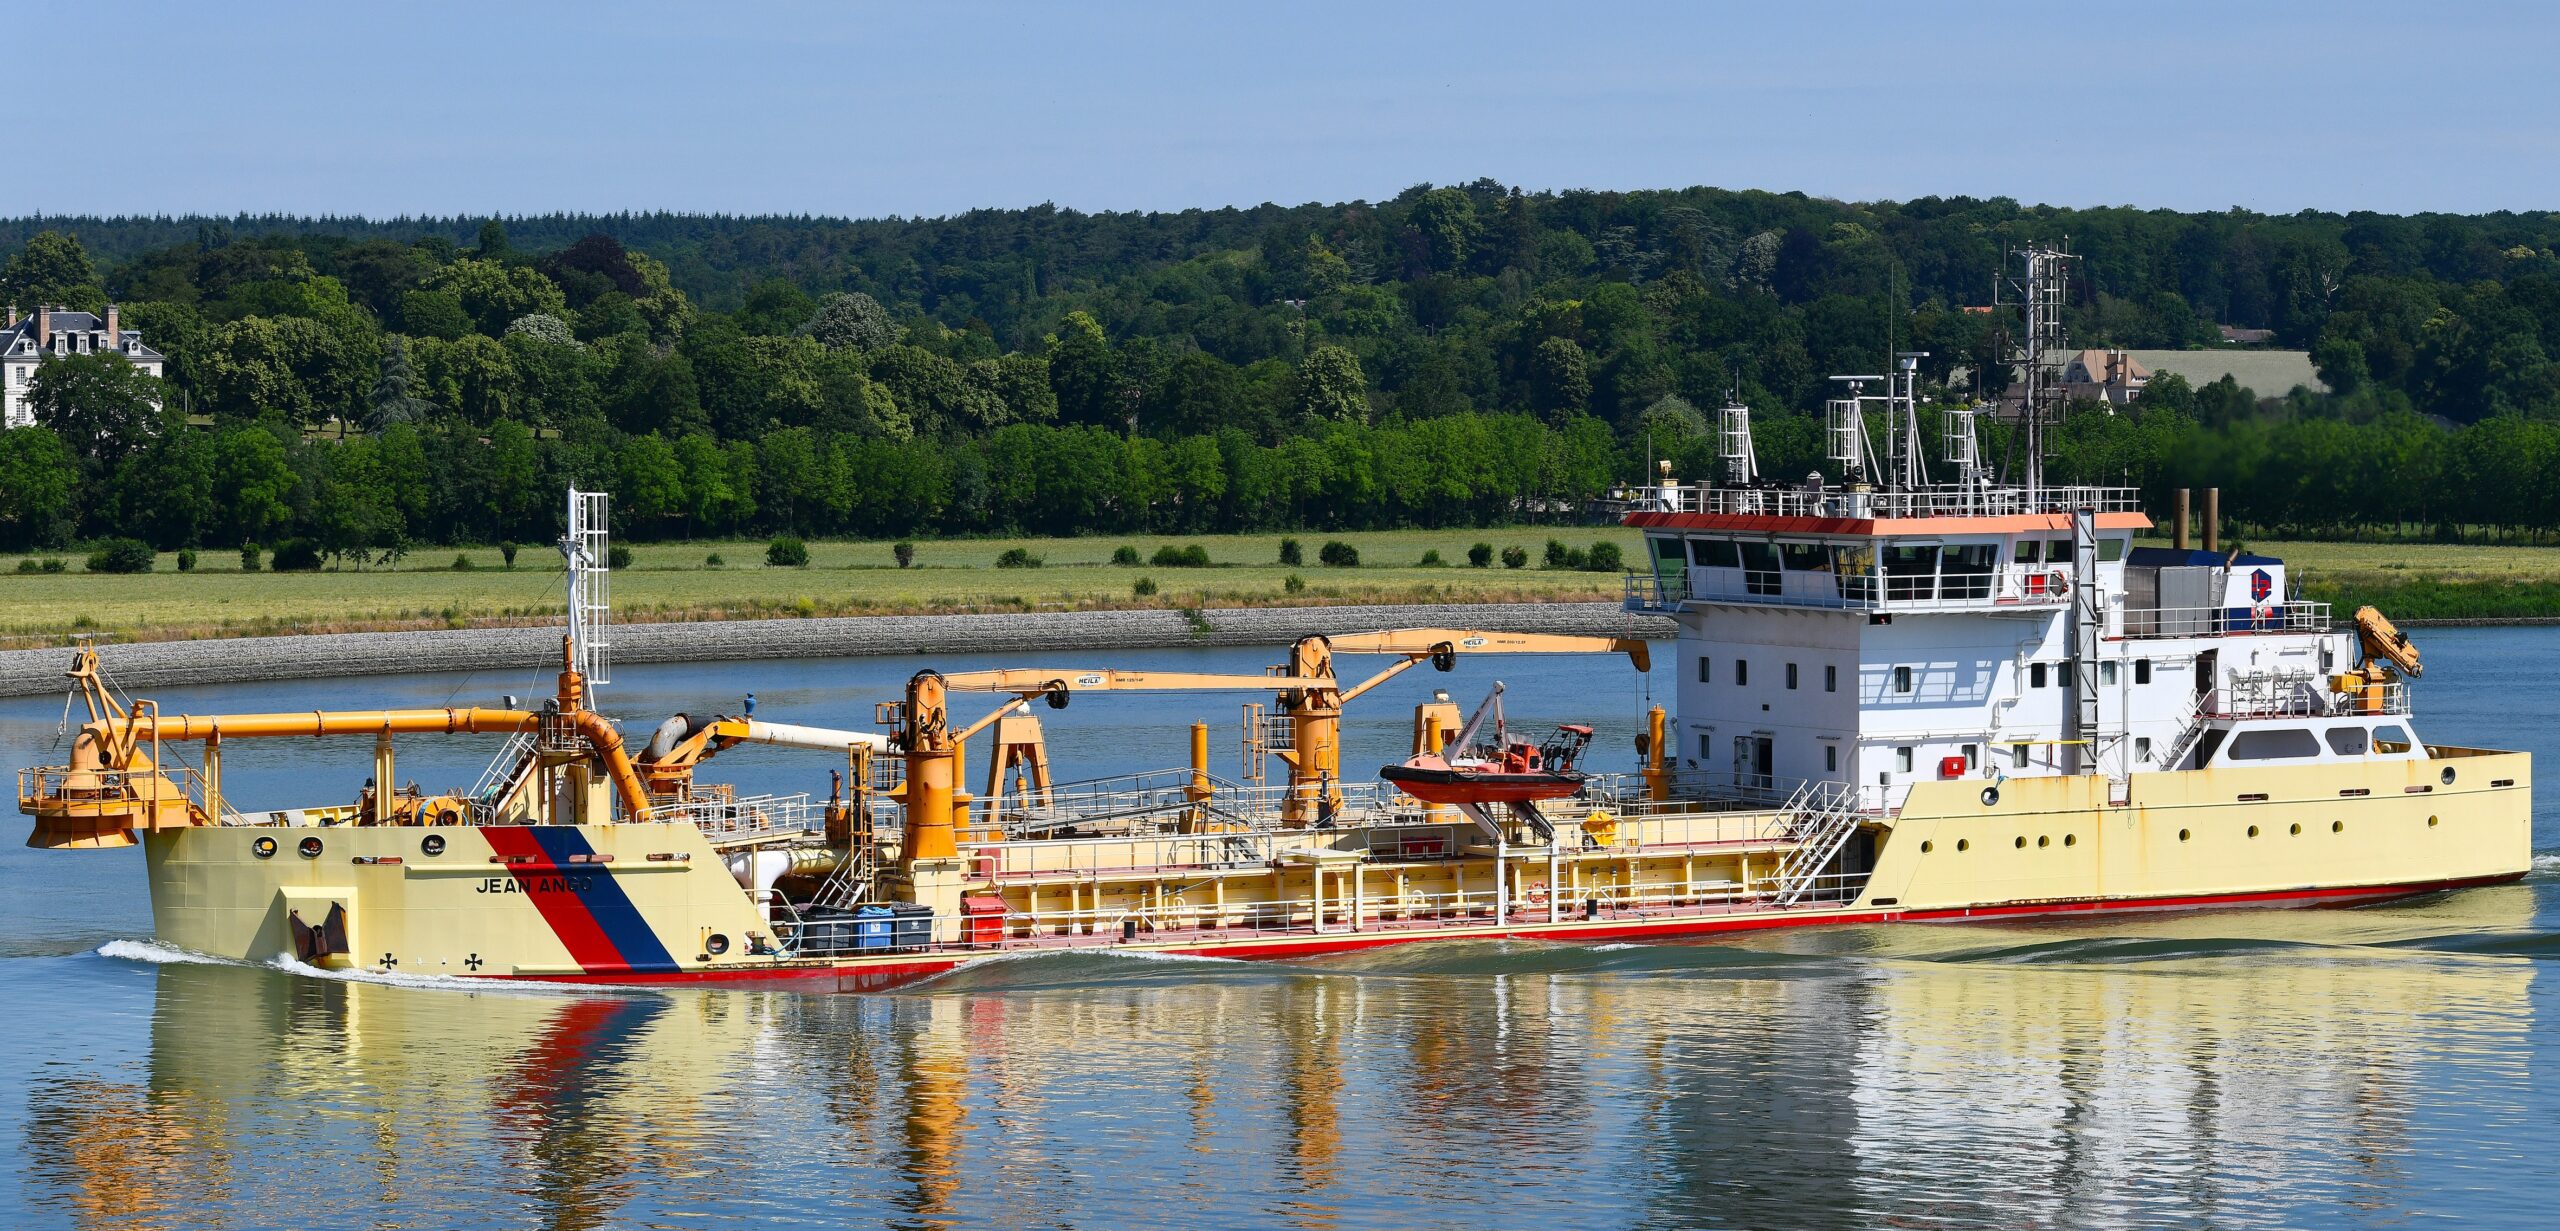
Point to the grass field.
(675, 581)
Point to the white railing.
(1939, 501)
(2290, 617)
(753, 818)
(2005, 586)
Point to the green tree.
(1445, 218)
(252, 485)
(393, 398)
(543, 327)
(1331, 387)
(52, 269)
(1083, 373)
(492, 294)
(854, 322)
(102, 407)
(648, 484)
(39, 480)
(1559, 379)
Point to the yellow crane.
(2388, 655)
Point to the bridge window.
(1911, 572)
(1760, 568)
(1714, 553)
(1805, 557)
(2348, 741)
(1967, 568)
(2274, 744)
(2111, 550)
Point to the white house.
(26, 340)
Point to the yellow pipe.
(1657, 757)
(1199, 792)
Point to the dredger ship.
(1898, 699)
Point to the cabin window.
(1911, 572)
(1972, 756)
(2391, 738)
(2110, 550)
(1714, 553)
(1853, 571)
(1831, 758)
(1830, 677)
(1902, 679)
(1706, 745)
(2107, 674)
(2274, 744)
(1741, 672)
(1967, 569)
(2036, 675)
(1902, 758)
(2029, 551)
(1704, 662)
(1759, 568)
(2142, 671)
(1805, 557)
(2142, 749)
(1791, 677)
(2018, 756)
(2348, 741)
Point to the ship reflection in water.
(2281, 1068)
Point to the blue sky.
(864, 110)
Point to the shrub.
(1192, 556)
(786, 552)
(1337, 554)
(248, 557)
(714, 561)
(1017, 557)
(1431, 558)
(1515, 557)
(1125, 556)
(186, 559)
(906, 554)
(1560, 556)
(461, 563)
(1293, 583)
(1143, 587)
(617, 556)
(121, 556)
(297, 556)
(507, 552)
(1291, 554)
(55, 564)
(28, 565)
(1480, 556)
(1604, 558)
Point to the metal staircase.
(1821, 816)
(2187, 735)
(498, 782)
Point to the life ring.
(2056, 584)
(1535, 894)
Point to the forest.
(1458, 355)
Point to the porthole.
(2253, 831)
(432, 844)
(2447, 776)
(715, 944)
(1963, 845)
(263, 848)
(2337, 827)
(2185, 834)
(2071, 839)
(1927, 847)
(2022, 842)
(2043, 840)
(1990, 796)
(2297, 829)
(2431, 822)
(309, 848)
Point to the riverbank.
(161, 664)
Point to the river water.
(2388, 1066)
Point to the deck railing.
(1949, 500)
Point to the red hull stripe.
(590, 914)
(876, 976)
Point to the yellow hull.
(651, 903)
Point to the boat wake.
(447, 983)
(155, 953)
(2546, 863)
(1039, 970)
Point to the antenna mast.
(589, 558)
(2040, 292)
(1741, 460)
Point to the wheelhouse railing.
(2297, 616)
(2005, 585)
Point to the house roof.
(20, 339)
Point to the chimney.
(13, 316)
(44, 326)
(2179, 537)
(115, 340)
(2213, 519)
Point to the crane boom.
(1030, 681)
(2385, 643)
(1425, 641)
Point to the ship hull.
(655, 904)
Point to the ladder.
(1820, 818)
(498, 782)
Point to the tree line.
(1454, 355)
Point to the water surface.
(2386, 1066)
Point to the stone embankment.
(161, 664)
